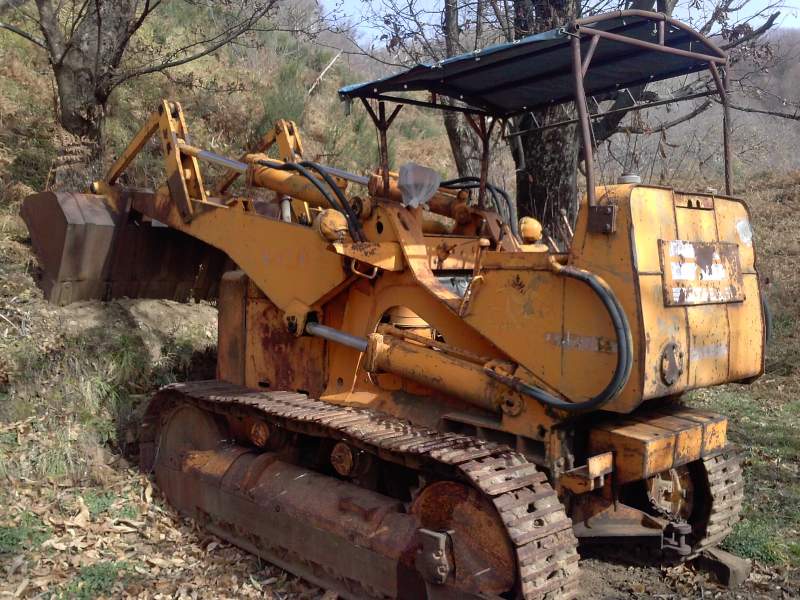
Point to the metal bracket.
(363, 274)
(590, 476)
(671, 364)
(674, 539)
(603, 219)
(431, 560)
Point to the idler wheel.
(482, 554)
(186, 429)
(672, 493)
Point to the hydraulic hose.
(622, 371)
(474, 182)
(468, 183)
(348, 210)
(622, 330)
(333, 201)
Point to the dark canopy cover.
(535, 71)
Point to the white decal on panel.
(681, 248)
(701, 295)
(717, 273)
(745, 232)
(710, 351)
(682, 271)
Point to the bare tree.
(463, 141)
(547, 159)
(414, 31)
(93, 48)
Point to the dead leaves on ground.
(65, 541)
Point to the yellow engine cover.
(683, 265)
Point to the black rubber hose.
(462, 183)
(316, 183)
(304, 172)
(622, 371)
(348, 210)
(474, 182)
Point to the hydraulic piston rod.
(424, 365)
(211, 157)
(242, 167)
(334, 335)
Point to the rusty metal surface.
(602, 219)
(601, 519)
(535, 522)
(285, 512)
(485, 555)
(90, 250)
(672, 363)
(232, 327)
(688, 510)
(273, 357)
(151, 261)
(651, 442)
(72, 235)
(672, 493)
(700, 272)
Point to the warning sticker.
(700, 272)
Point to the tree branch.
(48, 23)
(221, 40)
(23, 34)
(756, 33)
(669, 124)
(503, 21)
(771, 113)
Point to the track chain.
(726, 489)
(535, 519)
(723, 473)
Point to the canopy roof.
(624, 49)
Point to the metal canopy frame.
(482, 114)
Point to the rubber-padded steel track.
(535, 520)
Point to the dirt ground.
(121, 540)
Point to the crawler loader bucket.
(90, 250)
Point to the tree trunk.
(81, 111)
(546, 161)
(547, 168)
(463, 142)
(85, 63)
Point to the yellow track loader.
(418, 395)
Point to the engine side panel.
(256, 350)
(701, 304)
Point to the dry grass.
(60, 540)
(765, 416)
